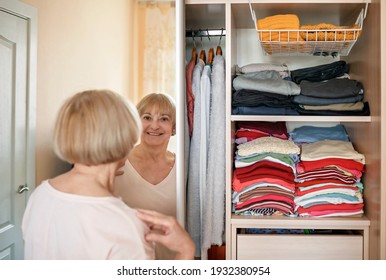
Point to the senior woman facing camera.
(149, 178)
(76, 215)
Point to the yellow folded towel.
(288, 21)
(279, 22)
(286, 48)
(329, 32)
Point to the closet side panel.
(230, 129)
(365, 67)
(180, 102)
(383, 131)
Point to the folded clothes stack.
(322, 90)
(265, 168)
(327, 90)
(329, 32)
(279, 22)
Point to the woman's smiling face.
(157, 127)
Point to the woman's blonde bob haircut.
(96, 127)
(162, 103)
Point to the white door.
(16, 120)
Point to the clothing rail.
(205, 32)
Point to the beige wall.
(82, 44)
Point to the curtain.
(154, 46)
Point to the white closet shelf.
(301, 118)
(299, 222)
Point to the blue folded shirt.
(310, 134)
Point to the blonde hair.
(95, 127)
(161, 102)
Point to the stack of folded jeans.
(328, 90)
(320, 72)
(263, 93)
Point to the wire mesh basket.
(320, 39)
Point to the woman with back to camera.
(75, 215)
(149, 178)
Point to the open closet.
(348, 237)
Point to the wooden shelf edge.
(301, 118)
(300, 222)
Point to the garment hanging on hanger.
(194, 54)
(194, 50)
(203, 55)
(210, 52)
(219, 50)
(205, 95)
(195, 174)
(210, 56)
(213, 201)
(189, 91)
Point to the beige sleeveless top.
(136, 192)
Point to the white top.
(58, 225)
(213, 210)
(136, 192)
(193, 191)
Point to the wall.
(81, 45)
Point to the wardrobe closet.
(351, 237)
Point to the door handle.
(23, 188)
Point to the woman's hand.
(169, 233)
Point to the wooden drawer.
(299, 247)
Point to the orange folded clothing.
(279, 22)
(329, 32)
(286, 48)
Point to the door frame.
(180, 112)
(28, 13)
